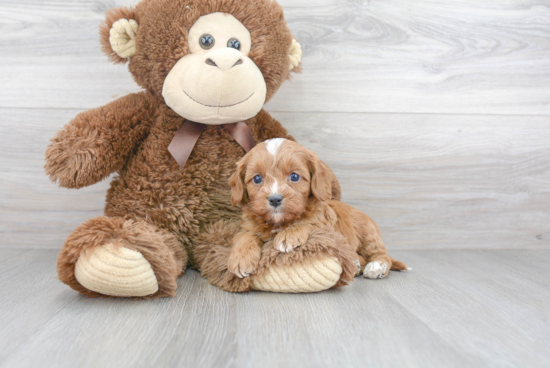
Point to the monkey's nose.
(210, 62)
(223, 67)
(224, 62)
(275, 200)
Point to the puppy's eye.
(294, 177)
(234, 44)
(257, 179)
(207, 41)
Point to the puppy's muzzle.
(275, 200)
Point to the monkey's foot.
(116, 271)
(112, 256)
(318, 275)
(325, 261)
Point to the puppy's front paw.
(242, 265)
(375, 270)
(288, 239)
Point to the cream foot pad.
(116, 272)
(320, 274)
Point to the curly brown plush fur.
(153, 206)
(212, 252)
(290, 212)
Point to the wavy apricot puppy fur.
(286, 195)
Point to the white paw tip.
(284, 248)
(375, 270)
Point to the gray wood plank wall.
(435, 115)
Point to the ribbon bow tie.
(187, 135)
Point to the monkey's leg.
(212, 251)
(325, 261)
(111, 256)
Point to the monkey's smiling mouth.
(200, 103)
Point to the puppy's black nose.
(275, 200)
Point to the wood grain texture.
(430, 56)
(439, 181)
(430, 181)
(455, 309)
(33, 211)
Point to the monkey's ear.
(295, 56)
(238, 188)
(118, 34)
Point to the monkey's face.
(214, 62)
(216, 83)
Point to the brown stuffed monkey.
(207, 67)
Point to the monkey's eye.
(294, 177)
(257, 179)
(234, 43)
(207, 41)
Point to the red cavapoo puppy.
(285, 192)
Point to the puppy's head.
(278, 179)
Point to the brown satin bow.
(187, 135)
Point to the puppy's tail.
(399, 266)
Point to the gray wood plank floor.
(454, 309)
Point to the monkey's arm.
(265, 127)
(99, 141)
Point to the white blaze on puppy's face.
(277, 215)
(274, 187)
(273, 145)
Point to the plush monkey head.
(212, 61)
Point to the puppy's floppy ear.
(322, 179)
(238, 188)
(118, 34)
